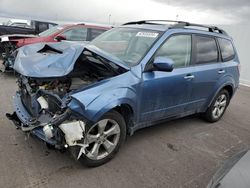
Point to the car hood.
(234, 173)
(43, 60)
(47, 59)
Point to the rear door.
(207, 70)
(230, 63)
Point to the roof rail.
(179, 24)
(152, 22)
(210, 28)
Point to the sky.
(120, 11)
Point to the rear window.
(227, 50)
(206, 50)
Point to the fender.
(109, 100)
(112, 105)
(226, 80)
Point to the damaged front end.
(45, 107)
(45, 114)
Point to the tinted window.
(76, 34)
(227, 50)
(95, 32)
(178, 48)
(42, 26)
(206, 50)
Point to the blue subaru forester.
(88, 97)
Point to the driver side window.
(177, 48)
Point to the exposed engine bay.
(88, 69)
(46, 99)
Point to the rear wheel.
(218, 106)
(104, 139)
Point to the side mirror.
(163, 64)
(60, 38)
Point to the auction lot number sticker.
(147, 34)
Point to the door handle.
(189, 77)
(221, 71)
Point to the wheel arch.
(230, 90)
(128, 114)
(125, 107)
(227, 86)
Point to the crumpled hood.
(47, 59)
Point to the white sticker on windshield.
(147, 34)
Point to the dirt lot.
(180, 153)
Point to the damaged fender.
(94, 102)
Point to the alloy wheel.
(102, 139)
(219, 106)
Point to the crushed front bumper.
(23, 120)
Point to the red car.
(73, 32)
(76, 32)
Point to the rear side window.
(42, 26)
(95, 32)
(177, 48)
(205, 50)
(76, 34)
(227, 50)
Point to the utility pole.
(177, 16)
(109, 18)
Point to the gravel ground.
(179, 153)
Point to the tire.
(212, 115)
(113, 119)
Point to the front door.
(165, 94)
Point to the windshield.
(127, 44)
(50, 31)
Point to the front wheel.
(218, 107)
(104, 139)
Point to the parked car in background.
(16, 29)
(17, 22)
(70, 32)
(235, 172)
(17, 26)
(88, 97)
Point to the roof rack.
(152, 22)
(210, 28)
(179, 24)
